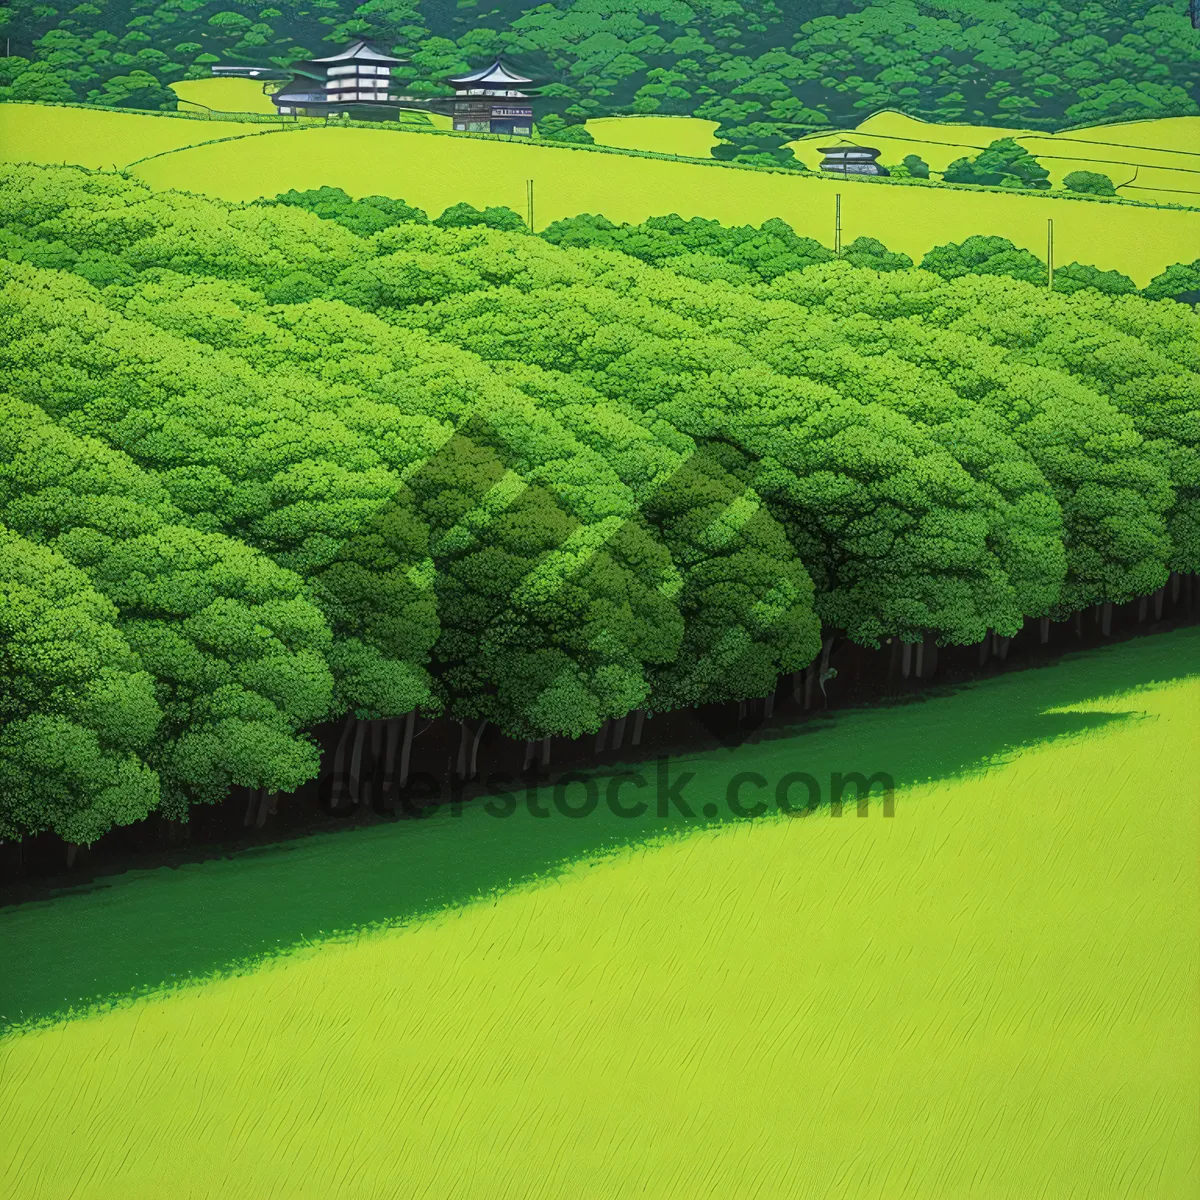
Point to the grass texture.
(223, 94)
(435, 172)
(991, 994)
(1156, 160)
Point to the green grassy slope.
(437, 171)
(990, 994)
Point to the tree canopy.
(260, 467)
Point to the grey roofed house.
(360, 51)
(358, 77)
(490, 101)
(852, 160)
(490, 79)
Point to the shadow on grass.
(144, 930)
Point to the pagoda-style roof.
(497, 75)
(361, 51)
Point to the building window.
(521, 129)
(342, 70)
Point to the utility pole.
(837, 227)
(1050, 254)
(529, 201)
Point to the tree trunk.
(1002, 644)
(267, 804)
(355, 781)
(1044, 630)
(1106, 618)
(768, 706)
(618, 732)
(741, 711)
(530, 751)
(810, 679)
(391, 740)
(927, 658)
(798, 678)
(906, 660)
(1174, 587)
(601, 737)
(546, 751)
(1142, 608)
(251, 806)
(1158, 603)
(369, 790)
(984, 647)
(461, 768)
(406, 749)
(638, 722)
(475, 748)
(72, 851)
(1079, 623)
(338, 782)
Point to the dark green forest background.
(766, 70)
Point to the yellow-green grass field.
(690, 136)
(435, 172)
(223, 95)
(1156, 160)
(991, 994)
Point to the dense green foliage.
(1090, 183)
(766, 70)
(281, 469)
(1005, 163)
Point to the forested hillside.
(767, 70)
(259, 470)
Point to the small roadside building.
(852, 160)
(491, 100)
(357, 81)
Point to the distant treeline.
(705, 249)
(258, 470)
